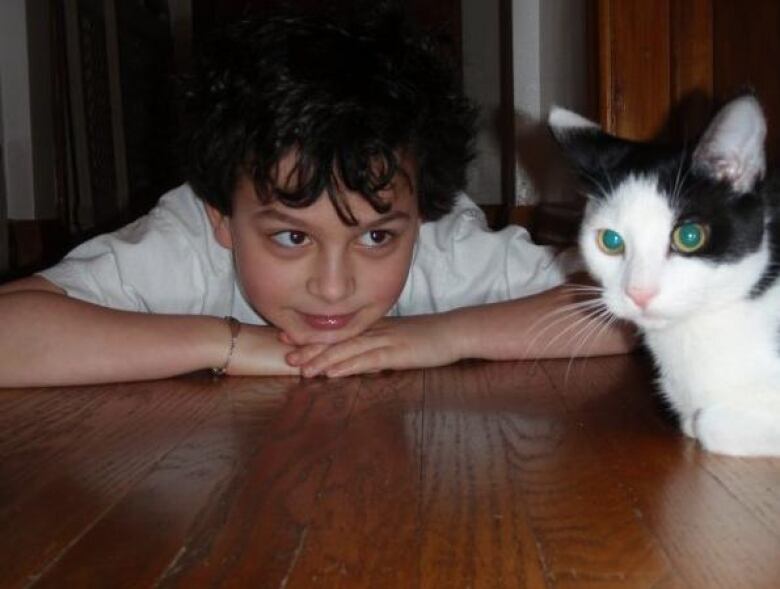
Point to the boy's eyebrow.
(280, 216)
(285, 218)
(391, 216)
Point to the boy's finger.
(337, 354)
(285, 339)
(305, 354)
(373, 360)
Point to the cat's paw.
(688, 424)
(737, 431)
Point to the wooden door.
(664, 65)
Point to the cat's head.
(669, 232)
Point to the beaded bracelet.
(235, 329)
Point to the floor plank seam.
(131, 485)
(294, 560)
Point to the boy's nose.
(333, 283)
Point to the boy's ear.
(732, 147)
(220, 225)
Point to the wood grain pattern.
(692, 64)
(665, 64)
(634, 58)
(747, 54)
(528, 474)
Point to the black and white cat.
(685, 243)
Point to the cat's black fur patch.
(603, 161)
(736, 221)
(770, 192)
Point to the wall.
(481, 79)
(550, 55)
(551, 58)
(564, 54)
(41, 107)
(26, 109)
(550, 64)
(17, 124)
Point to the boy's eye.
(610, 242)
(290, 238)
(375, 238)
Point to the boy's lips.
(327, 322)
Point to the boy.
(322, 211)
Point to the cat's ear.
(732, 147)
(563, 122)
(579, 138)
(592, 152)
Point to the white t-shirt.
(169, 262)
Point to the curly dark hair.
(348, 99)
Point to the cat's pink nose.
(641, 296)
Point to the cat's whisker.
(595, 181)
(584, 285)
(583, 288)
(551, 327)
(586, 317)
(562, 314)
(597, 324)
(578, 327)
(610, 322)
(608, 177)
(586, 295)
(584, 304)
(679, 173)
(592, 325)
(682, 194)
(599, 319)
(681, 178)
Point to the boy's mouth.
(327, 322)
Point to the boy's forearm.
(51, 339)
(553, 324)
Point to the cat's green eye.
(689, 237)
(610, 242)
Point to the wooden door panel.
(666, 64)
(747, 54)
(634, 56)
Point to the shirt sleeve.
(157, 264)
(459, 261)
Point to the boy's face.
(310, 275)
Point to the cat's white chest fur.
(721, 372)
(728, 355)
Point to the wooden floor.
(476, 475)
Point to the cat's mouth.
(649, 318)
(649, 321)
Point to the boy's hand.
(259, 352)
(419, 341)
